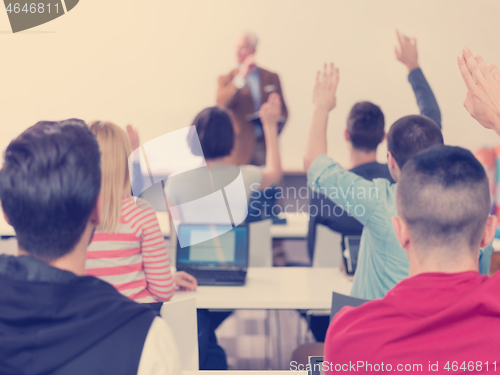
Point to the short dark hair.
(216, 133)
(365, 126)
(49, 185)
(410, 135)
(443, 196)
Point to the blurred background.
(155, 64)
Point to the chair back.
(260, 244)
(350, 252)
(327, 250)
(341, 300)
(181, 316)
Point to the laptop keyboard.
(218, 275)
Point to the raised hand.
(324, 101)
(325, 89)
(248, 65)
(270, 111)
(406, 52)
(482, 100)
(133, 137)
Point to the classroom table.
(275, 288)
(296, 227)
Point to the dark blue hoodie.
(54, 322)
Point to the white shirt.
(160, 355)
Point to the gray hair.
(252, 38)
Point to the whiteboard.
(155, 63)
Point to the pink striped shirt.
(134, 259)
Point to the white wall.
(155, 63)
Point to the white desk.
(295, 227)
(275, 288)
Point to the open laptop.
(221, 260)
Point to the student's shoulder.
(136, 204)
(349, 315)
(354, 322)
(325, 164)
(160, 331)
(373, 170)
(492, 284)
(251, 173)
(386, 189)
(382, 181)
(250, 169)
(323, 161)
(324, 167)
(160, 353)
(486, 295)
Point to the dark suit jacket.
(247, 148)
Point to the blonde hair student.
(114, 168)
(128, 249)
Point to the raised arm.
(482, 100)
(226, 92)
(284, 109)
(230, 85)
(407, 53)
(324, 100)
(270, 113)
(324, 174)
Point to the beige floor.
(262, 339)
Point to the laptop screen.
(225, 248)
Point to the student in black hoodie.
(54, 320)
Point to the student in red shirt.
(445, 317)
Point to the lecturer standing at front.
(242, 92)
